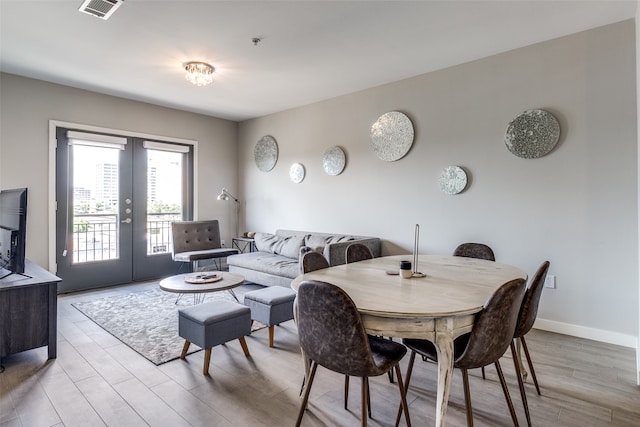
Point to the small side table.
(243, 244)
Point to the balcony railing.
(96, 237)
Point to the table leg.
(523, 370)
(444, 349)
(233, 294)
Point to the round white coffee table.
(178, 285)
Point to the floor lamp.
(225, 195)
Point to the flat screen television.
(13, 230)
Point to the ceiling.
(309, 50)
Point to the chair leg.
(390, 373)
(271, 331)
(368, 397)
(483, 376)
(523, 393)
(243, 343)
(530, 363)
(185, 348)
(403, 396)
(207, 361)
(467, 397)
(365, 398)
(412, 359)
(346, 390)
(505, 390)
(303, 405)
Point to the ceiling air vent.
(102, 9)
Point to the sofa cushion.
(266, 263)
(286, 246)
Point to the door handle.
(126, 220)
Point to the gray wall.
(577, 207)
(27, 105)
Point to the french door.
(116, 198)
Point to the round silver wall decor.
(453, 180)
(333, 161)
(296, 173)
(532, 134)
(392, 136)
(266, 153)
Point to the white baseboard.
(588, 333)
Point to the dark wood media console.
(28, 311)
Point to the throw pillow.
(285, 246)
(315, 241)
(265, 242)
(291, 246)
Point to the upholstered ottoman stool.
(213, 323)
(271, 306)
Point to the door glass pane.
(164, 198)
(95, 203)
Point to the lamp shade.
(225, 195)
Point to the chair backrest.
(357, 252)
(493, 326)
(331, 331)
(189, 236)
(475, 250)
(530, 302)
(312, 261)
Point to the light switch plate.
(550, 281)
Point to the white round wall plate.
(453, 180)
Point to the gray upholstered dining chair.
(332, 335)
(490, 336)
(475, 250)
(526, 318)
(198, 240)
(312, 261)
(357, 252)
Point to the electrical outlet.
(550, 281)
(223, 242)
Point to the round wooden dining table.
(438, 307)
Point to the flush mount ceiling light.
(199, 73)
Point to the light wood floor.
(96, 380)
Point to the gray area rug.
(146, 321)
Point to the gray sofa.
(276, 260)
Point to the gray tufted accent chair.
(490, 337)
(332, 335)
(197, 240)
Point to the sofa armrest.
(336, 252)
